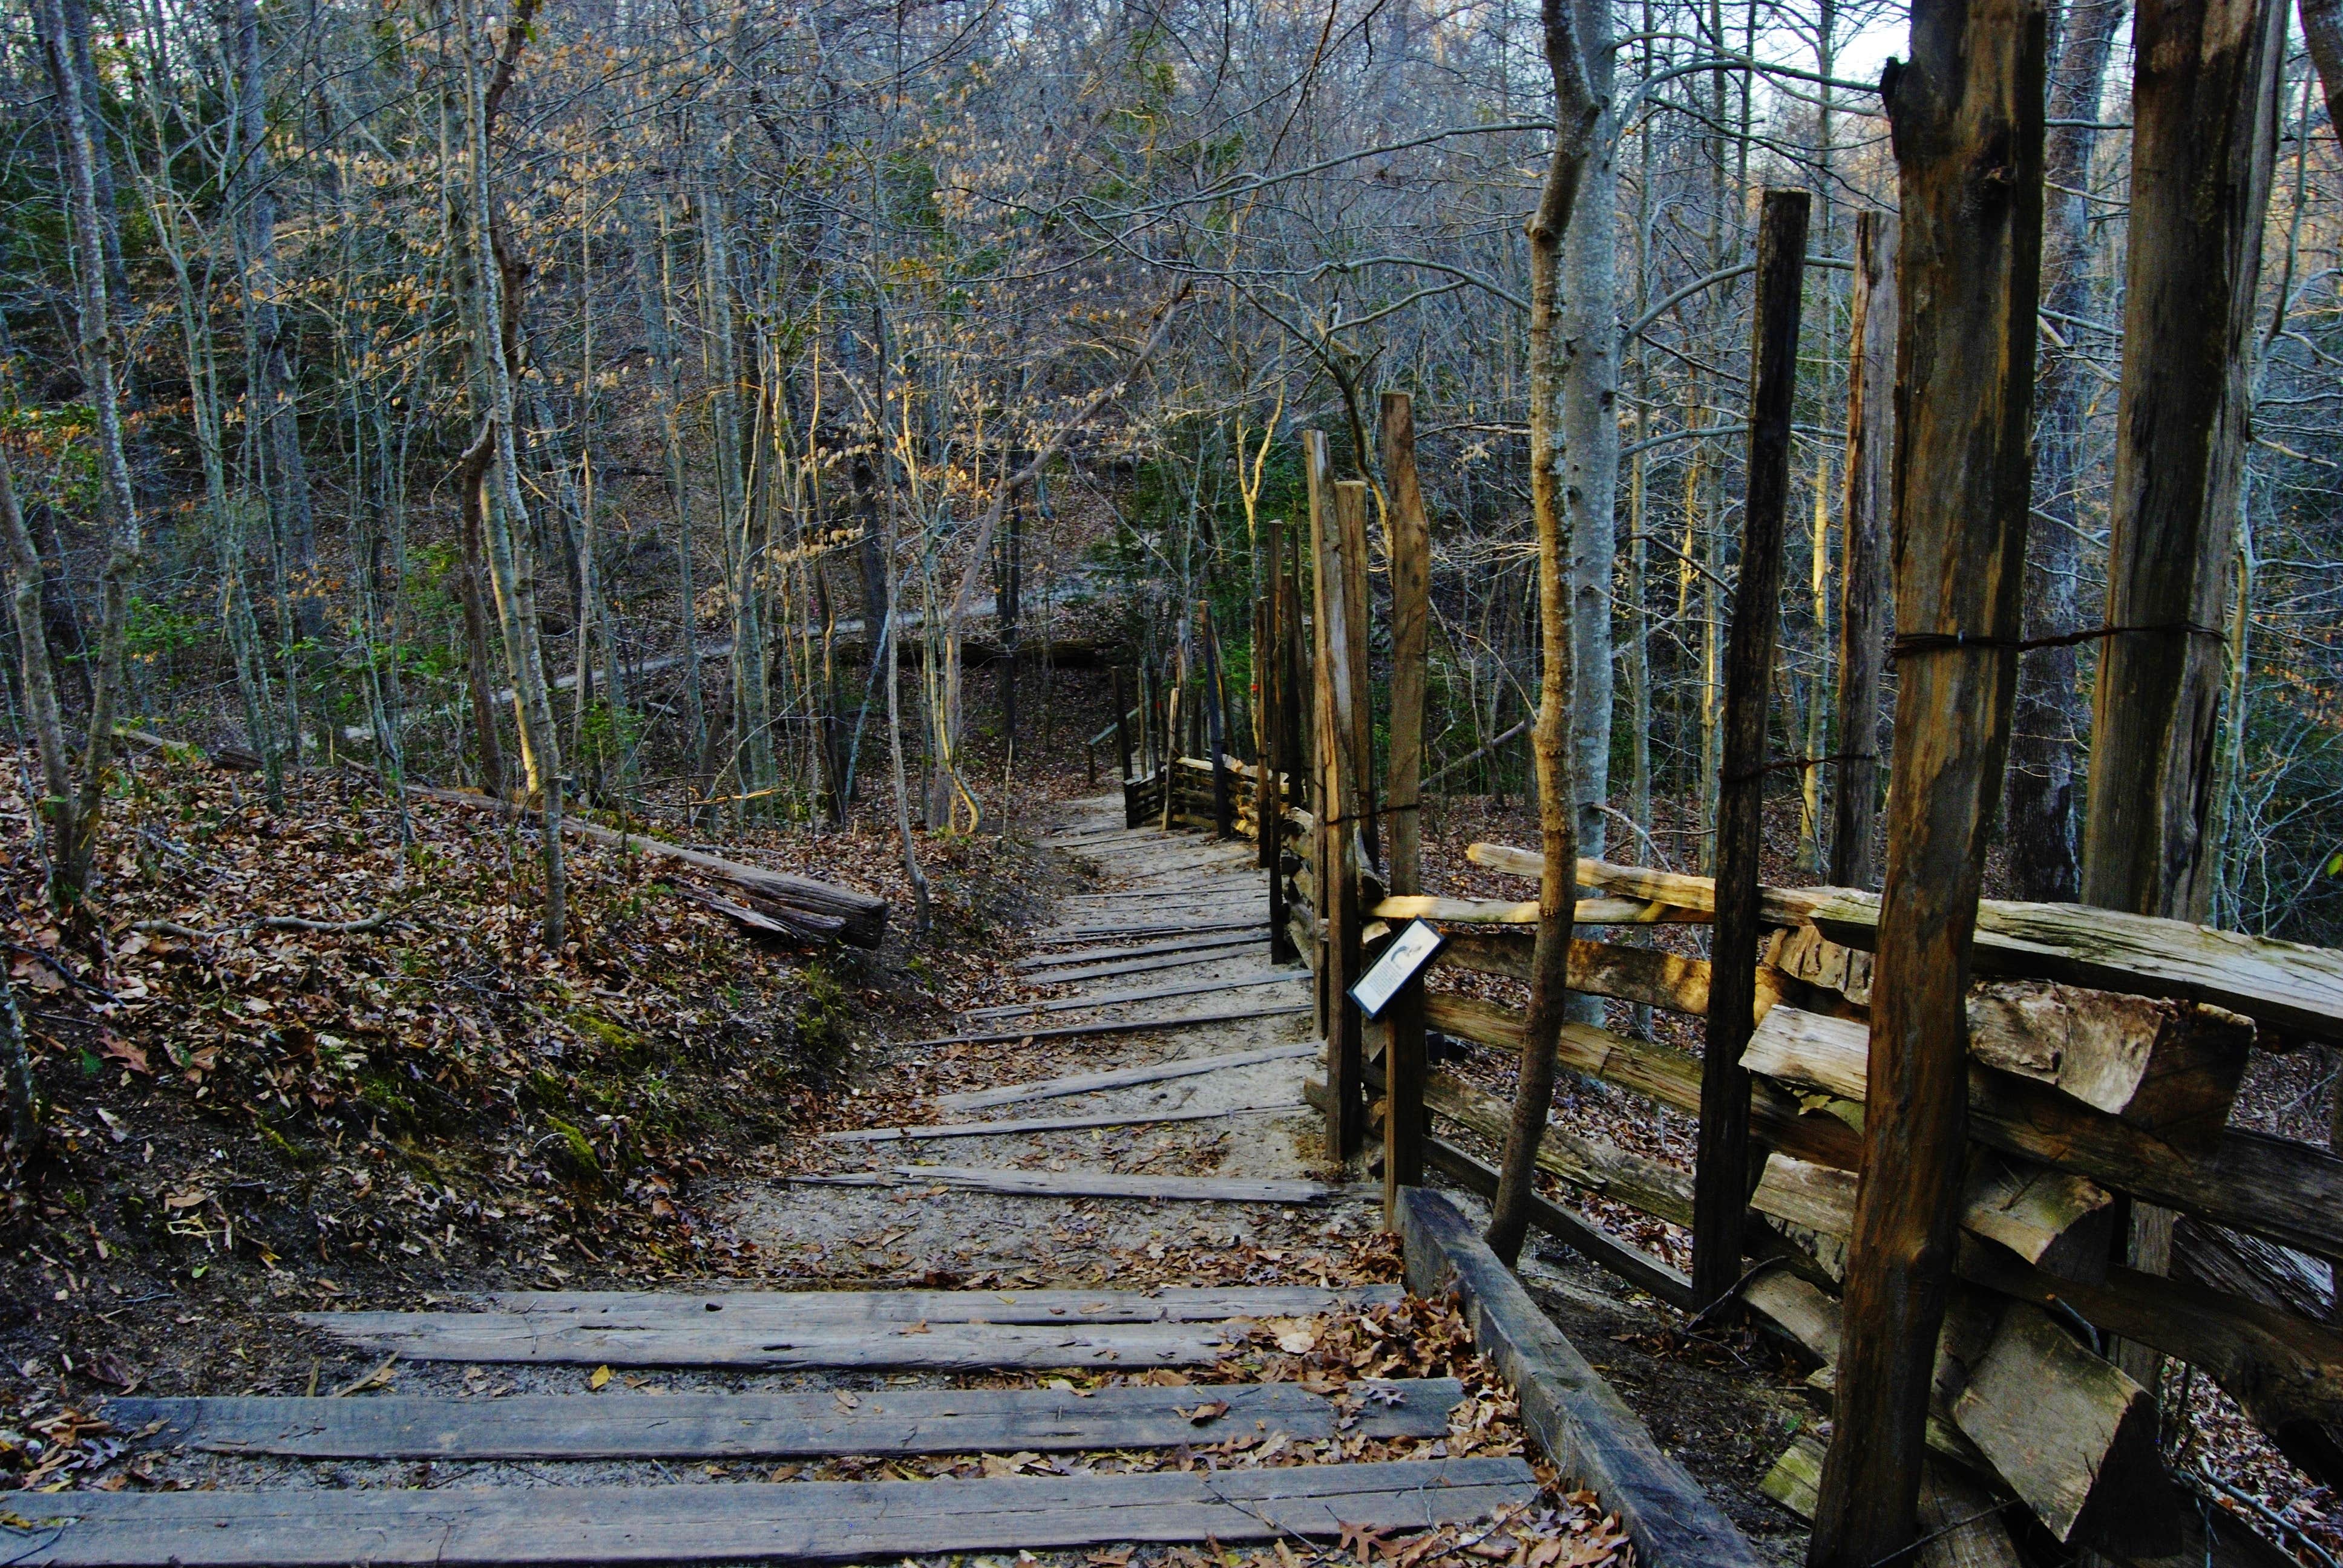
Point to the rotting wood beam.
(1864, 598)
(1721, 1179)
(1966, 118)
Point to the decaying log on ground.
(801, 903)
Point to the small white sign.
(1401, 962)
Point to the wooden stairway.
(297, 1523)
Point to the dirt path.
(1129, 880)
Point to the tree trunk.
(1966, 118)
(76, 845)
(2039, 810)
(1577, 122)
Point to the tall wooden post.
(1268, 803)
(1721, 1177)
(1411, 572)
(1966, 117)
(1216, 725)
(1287, 720)
(1863, 601)
(2204, 111)
(1338, 513)
(1122, 726)
(1171, 746)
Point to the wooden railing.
(2106, 1052)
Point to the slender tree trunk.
(76, 853)
(1578, 113)
(511, 563)
(55, 809)
(2039, 811)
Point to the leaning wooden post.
(1966, 117)
(1721, 1173)
(1864, 601)
(1411, 573)
(2204, 102)
(1339, 515)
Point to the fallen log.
(1646, 975)
(792, 900)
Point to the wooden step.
(1123, 1077)
(830, 1520)
(764, 1425)
(917, 1346)
(1175, 1304)
(1011, 1182)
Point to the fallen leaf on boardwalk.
(1203, 1412)
(1295, 1336)
(600, 1378)
(1164, 1377)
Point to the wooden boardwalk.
(934, 1339)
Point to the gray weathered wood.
(1039, 1124)
(1122, 1076)
(762, 1425)
(1118, 1026)
(946, 1347)
(1115, 950)
(1582, 1424)
(1175, 929)
(1119, 999)
(1043, 975)
(827, 1521)
(1016, 1184)
(1864, 595)
(1169, 1304)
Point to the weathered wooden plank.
(1679, 890)
(1505, 913)
(1039, 1124)
(1646, 975)
(1116, 1026)
(1168, 1304)
(1173, 929)
(770, 1426)
(1604, 1251)
(2296, 989)
(1125, 1077)
(1018, 1183)
(1121, 999)
(947, 1347)
(1116, 951)
(1578, 1420)
(1067, 975)
(825, 1521)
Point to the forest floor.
(260, 1123)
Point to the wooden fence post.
(1291, 761)
(1122, 726)
(2204, 102)
(1721, 1182)
(1411, 573)
(1338, 515)
(1216, 726)
(1864, 601)
(1966, 118)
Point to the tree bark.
(1966, 118)
(1578, 113)
(2322, 29)
(1721, 1179)
(2205, 107)
(1866, 599)
(2039, 808)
